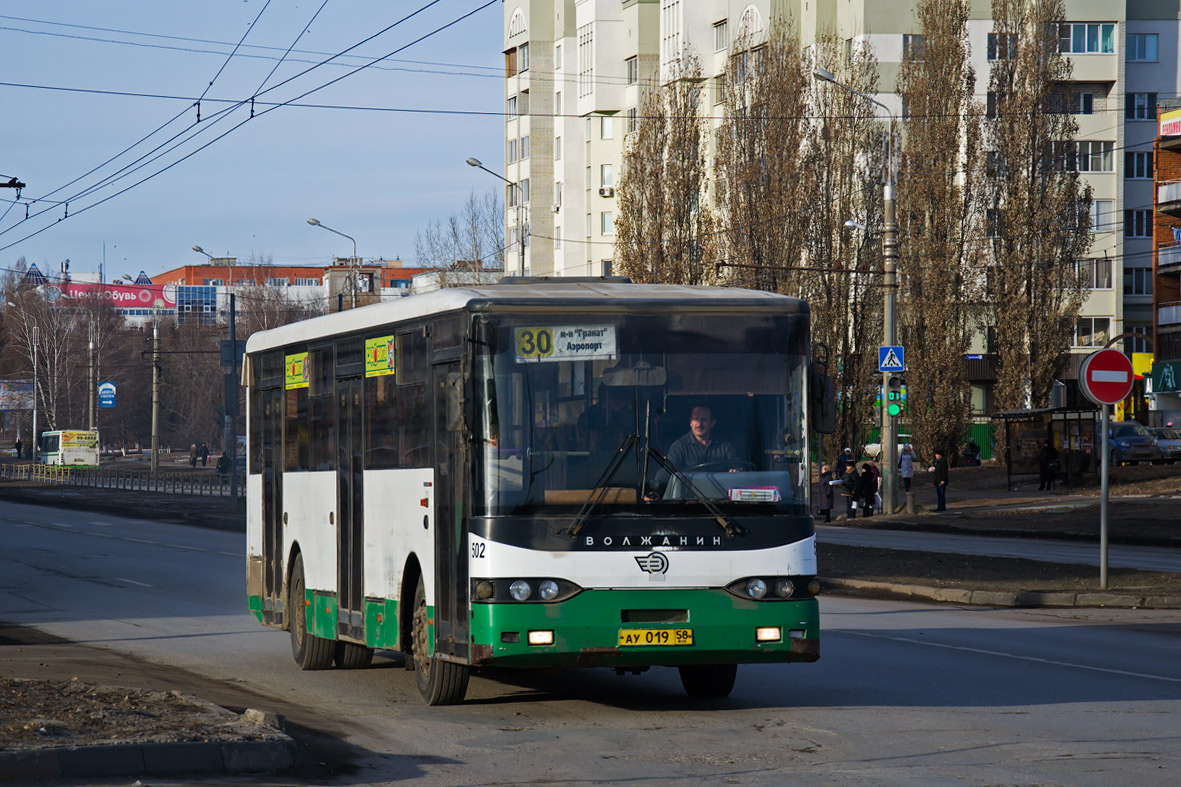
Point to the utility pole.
(36, 437)
(155, 397)
(90, 379)
(230, 435)
(890, 326)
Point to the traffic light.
(895, 403)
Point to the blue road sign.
(106, 394)
(891, 359)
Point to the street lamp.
(889, 429)
(353, 262)
(475, 162)
(33, 446)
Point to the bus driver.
(696, 448)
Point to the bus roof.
(586, 294)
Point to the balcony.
(1169, 314)
(1168, 258)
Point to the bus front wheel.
(310, 652)
(439, 682)
(709, 681)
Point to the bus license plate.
(635, 637)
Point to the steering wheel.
(721, 464)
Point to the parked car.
(1131, 443)
(1169, 440)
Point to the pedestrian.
(19, 446)
(940, 472)
(849, 482)
(867, 489)
(1047, 458)
(826, 492)
(193, 454)
(844, 462)
(204, 452)
(906, 466)
(223, 465)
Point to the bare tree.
(468, 245)
(1039, 213)
(664, 228)
(941, 204)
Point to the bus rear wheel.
(310, 652)
(349, 655)
(439, 682)
(708, 681)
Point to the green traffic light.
(894, 409)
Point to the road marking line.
(133, 582)
(231, 554)
(139, 540)
(1034, 659)
(100, 524)
(190, 549)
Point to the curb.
(906, 523)
(146, 759)
(994, 598)
(179, 513)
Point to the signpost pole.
(1103, 476)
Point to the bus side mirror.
(822, 408)
(454, 383)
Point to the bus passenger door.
(349, 511)
(451, 564)
(272, 504)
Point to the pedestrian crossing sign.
(891, 359)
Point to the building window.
(557, 237)
(720, 39)
(1096, 274)
(307, 282)
(276, 282)
(1086, 155)
(523, 57)
(557, 147)
(524, 147)
(510, 107)
(1082, 104)
(511, 153)
(608, 220)
(606, 176)
(1138, 166)
(990, 105)
(1081, 38)
(992, 223)
(1092, 331)
(523, 106)
(1137, 223)
(633, 121)
(525, 190)
(1103, 215)
(557, 56)
(586, 60)
(913, 48)
(1140, 343)
(558, 194)
(1140, 106)
(588, 225)
(1137, 281)
(1142, 47)
(607, 127)
(510, 196)
(214, 282)
(510, 64)
(670, 30)
(633, 70)
(558, 103)
(1002, 46)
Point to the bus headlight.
(484, 589)
(520, 590)
(548, 589)
(784, 588)
(756, 588)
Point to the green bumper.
(586, 630)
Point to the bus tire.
(439, 682)
(349, 655)
(708, 681)
(310, 652)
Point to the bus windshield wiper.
(730, 526)
(599, 491)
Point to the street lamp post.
(36, 337)
(889, 430)
(475, 162)
(353, 262)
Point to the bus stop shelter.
(1072, 431)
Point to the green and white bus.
(484, 477)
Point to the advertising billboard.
(124, 296)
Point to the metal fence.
(211, 484)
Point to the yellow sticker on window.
(297, 372)
(379, 356)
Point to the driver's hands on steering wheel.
(731, 465)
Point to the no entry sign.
(1106, 377)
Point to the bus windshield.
(650, 414)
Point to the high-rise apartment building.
(574, 70)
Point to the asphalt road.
(1044, 549)
(903, 692)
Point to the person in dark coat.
(867, 488)
(1045, 472)
(844, 462)
(19, 446)
(204, 452)
(825, 493)
(940, 471)
(850, 482)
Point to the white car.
(872, 450)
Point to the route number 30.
(535, 342)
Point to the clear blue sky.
(377, 176)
